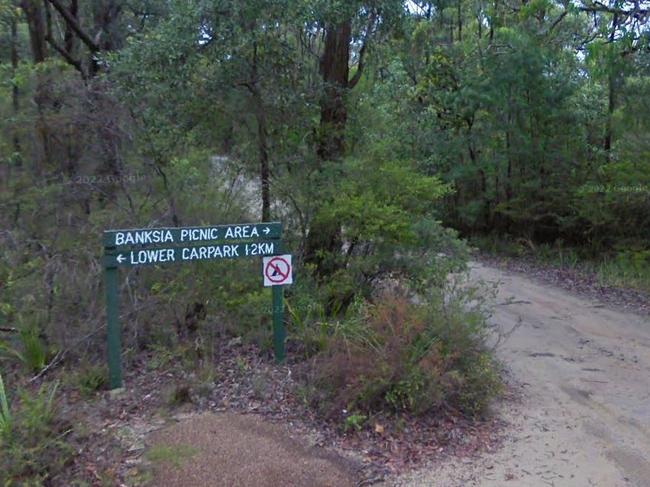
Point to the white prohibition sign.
(277, 270)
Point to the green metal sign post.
(114, 347)
(277, 272)
(279, 332)
(155, 246)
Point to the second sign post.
(156, 246)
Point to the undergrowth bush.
(90, 378)
(31, 437)
(626, 265)
(26, 348)
(398, 356)
(629, 268)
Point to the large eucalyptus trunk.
(324, 238)
(334, 70)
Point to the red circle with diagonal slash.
(274, 266)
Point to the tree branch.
(357, 75)
(362, 53)
(66, 55)
(600, 7)
(557, 21)
(71, 21)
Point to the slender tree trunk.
(262, 136)
(36, 26)
(37, 35)
(611, 106)
(611, 97)
(493, 20)
(486, 201)
(264, 164)
(460, 21)
(509, 168)
(69, 43)
(15, 103)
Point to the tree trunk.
(69, 36)
(264, 163)
(262, 136)
(334, 69)
(460, 21)
(15, 103)
(105, 18)
(324, 242)
(36, 26)
(37, 35)
(493, 21)
(611, 106)
(611, 97)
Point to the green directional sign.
(169, 237)
(172, 255)
(158, 246)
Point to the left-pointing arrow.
(121, 258)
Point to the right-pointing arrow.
(266, 230)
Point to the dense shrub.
(32, 438)
(396, 355)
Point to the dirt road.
(584, 372)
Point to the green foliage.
(32, 441)
(354, 421)
(29, 350)
(34, 353)
(179, 395)
(91, 378)
(5, 413)
(173, 455)
(306, 316)
(625, 268)
(629, 268)
(508, 113)
(386, 213)
(398, 356)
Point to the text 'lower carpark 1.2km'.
(156, 246)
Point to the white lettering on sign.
(163, 236)
(149, 256)
(194, 234)
(210, 252)
(243, 231)
(262, 248)
(143, 237)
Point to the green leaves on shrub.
(31, 438)
(404, 357)
(30, 350)
(5, 414)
